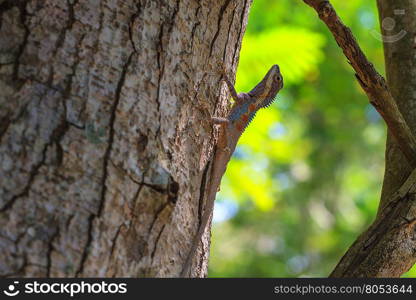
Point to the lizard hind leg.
(222, 138)
(219, 121)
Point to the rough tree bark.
(387, 248)
(105, 137)
(401, 77)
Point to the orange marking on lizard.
(239, 127)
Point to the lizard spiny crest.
(263, 95)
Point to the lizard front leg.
(231, 88)
(237, 98)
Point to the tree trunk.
(401, 78)
(105, 137)
(388, 248)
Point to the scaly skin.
(242, 112)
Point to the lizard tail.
(195, 243)
(217, 172)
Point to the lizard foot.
(220, 121)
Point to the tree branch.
(370, 80)
(387, 247)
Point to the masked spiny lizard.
(242, 112)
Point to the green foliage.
(306, 177)
(305, 50)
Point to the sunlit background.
(306, 177)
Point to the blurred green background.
(306, 177)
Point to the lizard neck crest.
(263, 94)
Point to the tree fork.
(386, 248)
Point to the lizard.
(242, 112)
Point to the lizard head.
(264, 93)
